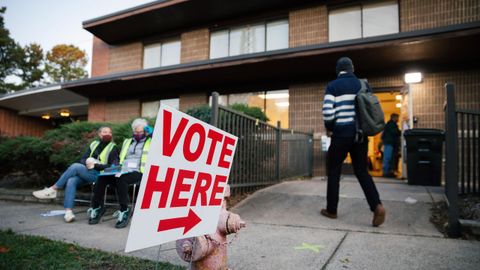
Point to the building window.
(274, 104)
(150, 108)
(361, 21)
(162, 54)
(250, 38)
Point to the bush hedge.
(42, 160)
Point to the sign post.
(184, 181)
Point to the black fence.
(265, 154)
(462, 169)
(468, 151)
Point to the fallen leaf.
(4, 249)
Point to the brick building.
(279, 55)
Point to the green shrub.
(200, 112)
(24, 153)
(254, 112)
(44, 159)
(203, 112)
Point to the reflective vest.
(103, 157)
(146, 148)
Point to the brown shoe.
(378, 216)
(324, 212)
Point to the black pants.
(337, 153)
(121, 185)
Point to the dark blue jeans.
(339, 148)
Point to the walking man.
(339, 116)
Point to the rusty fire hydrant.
(210, 251)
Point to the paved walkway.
(285, 230)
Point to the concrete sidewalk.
(285, 230)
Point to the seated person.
(99, 155)
(132, 159)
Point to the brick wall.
(122, 111)
(417, 15)
(12, 124)
(308, 26)
(305, 114)
(192, 100)
(195, 45)
(100, 53)
(126, 57)
(429, 96)
(96, 110)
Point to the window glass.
(380, 18)
(277, 104)
(170, 53)
(150, 108)
(277, 35)
(344, 24)
(172, 102)
(238, 40)
(249, 39)
(219, 44)
(256, 39)
(151, 56)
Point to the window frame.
(161, 42)
(244, 25)
(361, 4)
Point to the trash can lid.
(424, 132)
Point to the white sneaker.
(46, 193)
(69, 216)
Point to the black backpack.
(370, 118)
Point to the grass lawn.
(33, 252)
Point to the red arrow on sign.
(187, 222)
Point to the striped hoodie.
(339, 105)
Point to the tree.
(30, 67)
(10, 56)
(66, 63)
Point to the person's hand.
(329, 133)
(90, 163)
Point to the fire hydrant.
(210, 251)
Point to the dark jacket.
(113, 158)
(391, 134)
(339, 105)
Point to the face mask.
(106, 138)
(139, 137)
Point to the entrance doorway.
(392, 101)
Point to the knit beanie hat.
(344, 64)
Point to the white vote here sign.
(184, 181)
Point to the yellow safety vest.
(103, 157)
(143, 159)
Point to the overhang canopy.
(48, 100)
(171, 15)
(442, 49)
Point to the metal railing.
(462, 169)
(468, 151)
(265, 154)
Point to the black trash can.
(424, 156)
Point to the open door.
(391, 103)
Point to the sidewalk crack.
(334, 252)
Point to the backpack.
(370, 119)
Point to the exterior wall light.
(413, 77)
(65, 113)
(46, 116)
